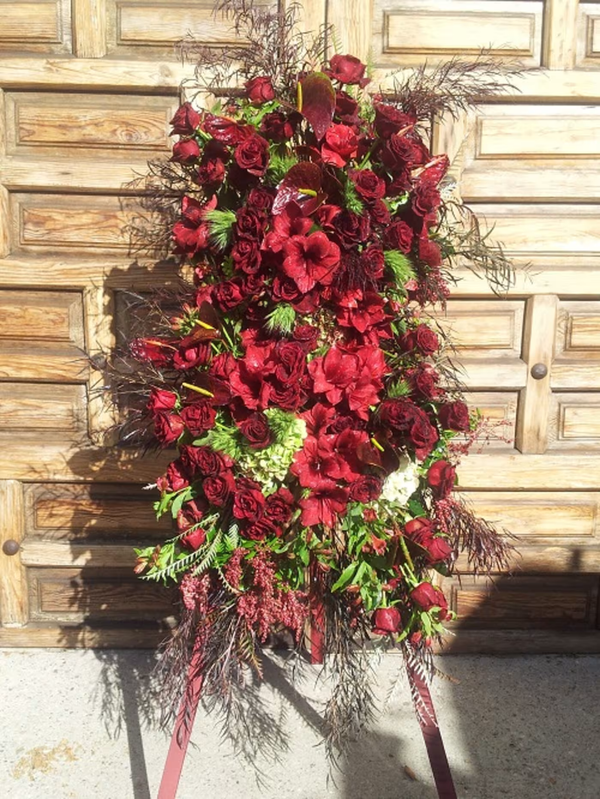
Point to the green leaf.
(179, 500)
(345, 578)
(351, 199)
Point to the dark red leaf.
(316, 102)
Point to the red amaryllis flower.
(441, 477)
(310, 260)
(333, 373)
(347, 69)
(362, 314)
(386, 621)
(347, 444)
(318, 418)
(185, 120)
(339, 146)
(260, 89)
(290, 222)
(317, 465)
(323, 506)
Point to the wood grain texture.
(410, 31)
(51, 124)
(14, 606)
(79, 636)
(35, 26)
(89, 28)
(588, 36)
(352, 21)
(33, 409)
(568, 471)
(560, 31)
(538, 349)
(574, 422)
(520, 642)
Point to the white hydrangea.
(399, 486)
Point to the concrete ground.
(77, 724)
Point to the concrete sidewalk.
(77, 725)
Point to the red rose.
(422, 339)
(248, 502)
(455, 416)
(188, 357)
(291, 364)
(399, 236)
(175, 477)
(195, 539)
(341, 144)
(202, 460)
(399, 414)
(259, 530)
(347, 69)
(279, 506)
(250, 223)
(389, 120)
(228, 294)
(386, 621)
(210, 172)
(246, 256)
(427, 597)
(168, 427)
(425, 199)
(161, 400)
(256, 430)
(429, 251)
(423, 380)
(253, 155)
(419, 527)
(422, 435)
(368, 185)
(185, 120)
(380, 213)
(346, 108)
(218, 489)
(191, 513)
(351, 229)
(260, 90)
(365, 489)
(278, 127)
(261, 199)
(441, 477)
(437, 549)
(199, 417)
(307, 336)
(186, 151)
(372, 261)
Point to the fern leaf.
(399, 265)
(210, 554)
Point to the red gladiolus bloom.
(310, 260)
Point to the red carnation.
(260, 90)
(310, 260)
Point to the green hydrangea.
(269, 466)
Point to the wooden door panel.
(78, 128)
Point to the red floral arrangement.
(299, 378)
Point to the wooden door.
(87, 91)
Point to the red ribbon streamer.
(433, 739)
(183, 730)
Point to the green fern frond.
(221, 227)
(209, 554)
(399, 265)
(281, 319)
(232, 537)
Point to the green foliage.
(227, 439)
(279, 165)
(398, 389)
(221, 227)
(399, 265)
(351, 199)
(281, 319)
